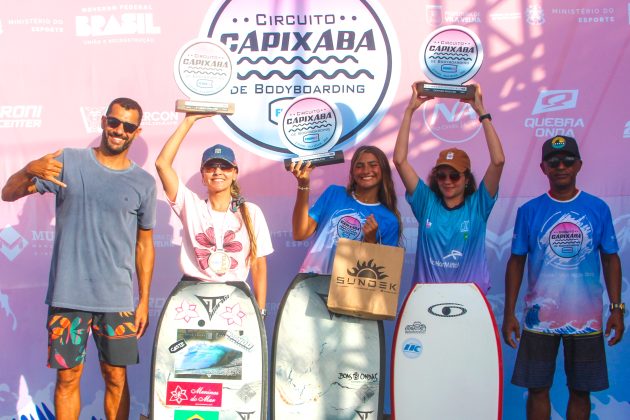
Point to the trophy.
(203, 68)
(310, 127)
(450, 56)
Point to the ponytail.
(238, 204)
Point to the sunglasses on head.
(554, 161)
(454, 176)
(224, 166)
(113, 122)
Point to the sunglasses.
(224, 166)
(454, 176)
(554, 161)
(113, 122)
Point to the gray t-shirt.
(98, 216)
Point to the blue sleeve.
(44, 186)
(486, 203)
(520, 238)
(321, 204)
(147, 210)
(418, 200)
(608, 243)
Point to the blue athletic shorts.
(68, 331)
(584, 361)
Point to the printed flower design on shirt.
(208, 241)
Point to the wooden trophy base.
(439, 90)
(201, 107)
(319, 159)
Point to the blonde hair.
(235, 192)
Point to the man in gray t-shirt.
(105, 212)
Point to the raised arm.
(497, 158)
(401, 149)
(164, 161)
(21, 183)
(303, 224)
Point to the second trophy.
(310, 127)
(450, 56)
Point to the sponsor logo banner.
(11, 243)
(194, 394)
(195, 415)
(344, 50)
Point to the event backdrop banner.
(549, 68)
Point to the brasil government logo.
(342, 50)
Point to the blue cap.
(219, 151)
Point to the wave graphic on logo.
(308, 127)
(303, 75)
(463, 57)
(300, 59)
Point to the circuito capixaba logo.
(345, 51)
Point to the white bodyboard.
(210, 355)
(447, 355)
(324, 365)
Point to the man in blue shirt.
(105, 213)
(564, 234)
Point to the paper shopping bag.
(365, 280)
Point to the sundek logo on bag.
(369, 276)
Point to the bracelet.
(484, 116)
(303, 188)
(263, 313)
(621, 306)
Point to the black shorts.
(68, 331)
(584, 361)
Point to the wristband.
(484, 116)
(620, 305)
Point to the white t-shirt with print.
(202, 226)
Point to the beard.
(114, 150)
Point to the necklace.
(356, 197)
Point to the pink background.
(550, 67)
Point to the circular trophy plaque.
(450, 56)
(309, 127)
(202, 69)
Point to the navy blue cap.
(219, 151)
(560, 144)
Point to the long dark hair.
(386, 191)
(469, 189)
